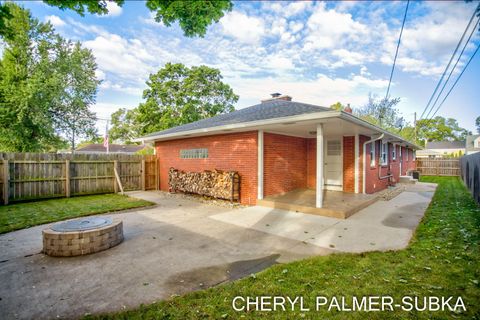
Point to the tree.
(382, 112)
(440, 129)
(124, 128)
(337, 106)
(27, 84)
(193, 16)
(45, 84)
(477, 124)
(71, 114)
(178, 95)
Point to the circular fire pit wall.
(82, 236)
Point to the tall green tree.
(177, 95)
(193, 16)
(124, 127)
(45, 84)
(77, 91)
(440, 129)
(477, 124)
(27, 84)
(382, 112)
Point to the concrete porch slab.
(336, 204)
(384, 225)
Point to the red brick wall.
(236, 151)
(349, 164)
(285, 163)
(373, 183)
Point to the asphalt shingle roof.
(445, 145)
(263, 111)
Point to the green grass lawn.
(443, 259)
(25, 215)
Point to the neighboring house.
(472, 144)
(112, 148)
(447, 148)
(276, 146)
(427, 153)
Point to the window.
(334, 148)
(194, 153)
(372, 154)
(394, 152)
(384, 154)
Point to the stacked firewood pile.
(216, 183)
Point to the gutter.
(364, 157)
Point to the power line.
(454, 84)
(396, 52)
(474, 29)
(451, 59)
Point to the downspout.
(364, 157)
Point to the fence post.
(157, 175)
(115, 184)
(6, 181)
(143, 175)
(67, 178)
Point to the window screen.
(194, 153)
(384, 154)
(372, 154)
(334, 148)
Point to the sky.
(316, 52)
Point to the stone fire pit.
(82, 236)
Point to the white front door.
(333, 171)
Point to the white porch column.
(320, 162)
(357, 162)
(260, 165)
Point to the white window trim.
(373, 154)
(394, 152)
(384, 153)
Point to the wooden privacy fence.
(28, 176)
(438, 167)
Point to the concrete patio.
(383, 225)
(182, 245)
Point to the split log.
(216, 183)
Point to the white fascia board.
(352, 118)
(243, 125)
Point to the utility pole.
(415, 127)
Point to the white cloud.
(114, 10)
(242, 27)
(56, 21)
(119, 56)
(329, 29)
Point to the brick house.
(280, 145)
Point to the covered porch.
(336, 204)
(314, 166)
